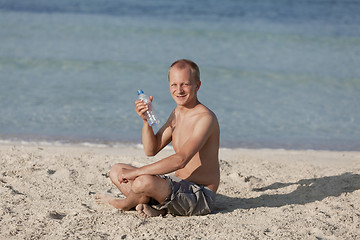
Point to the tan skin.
(194, 132)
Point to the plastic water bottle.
(150, 114)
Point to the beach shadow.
(308, 190)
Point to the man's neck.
(188, 107)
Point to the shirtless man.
(194, 132)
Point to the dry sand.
(47, 193)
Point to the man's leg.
(115, 171)
(138, 191)
(154, 187)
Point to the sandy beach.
(47, 193)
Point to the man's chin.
(179, 101)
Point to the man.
(194, 132)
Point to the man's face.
(183, 88)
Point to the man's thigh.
(162, 189)
(155, 187)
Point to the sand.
(47, 193)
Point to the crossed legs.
(138, 192)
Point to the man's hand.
(142, 107)
(127, 174)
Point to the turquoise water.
(278, 74)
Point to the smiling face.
(183, 87)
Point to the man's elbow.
(150, 153)
(181, 162)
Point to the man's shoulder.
(204, 111)
(198, 113)
(205, 117)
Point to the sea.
(277, 73)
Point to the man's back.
(203, 168)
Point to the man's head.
(187, 64)
(184, 82)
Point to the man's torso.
(203, 168)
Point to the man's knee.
(115, 171)
(143, 184)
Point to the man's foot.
(107, 200)
(146, 211)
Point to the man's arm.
(199, 136)
(153, 143)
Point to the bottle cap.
(140, 92)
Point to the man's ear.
(198, 85)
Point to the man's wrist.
(146, 124)
(138, 172)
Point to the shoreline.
(115, 144)
(47, 192)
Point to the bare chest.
(182, 131)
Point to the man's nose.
(180, 89)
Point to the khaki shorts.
(186, 198)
